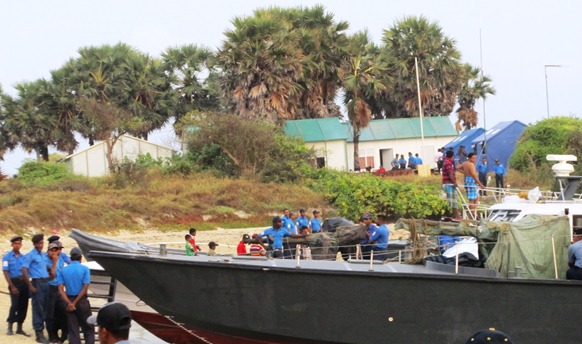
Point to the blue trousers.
(56, 318)
(18, 303)
(39, 304)
(77, 319)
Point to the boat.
(242, 299)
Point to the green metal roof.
(317, 130)
(327, 129)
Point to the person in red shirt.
(241, 249)
(450, 182)
(192, 240)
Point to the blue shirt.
(289, 225)
(370, 230)
(380, 235)
(402, 163)
(481, 167)
(65, 257)
(60, 265)
(418, 160)
(302, 221)
(315, 224)
(499, 169)
(36, 264)
(73, 277)
(13, 264)
(575, 254)
(277, 234)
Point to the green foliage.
(257, 149)
(40, 173)
(354, 194)
(556, 135)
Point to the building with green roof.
(379, 142)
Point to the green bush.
(353, 194)
(40, 173)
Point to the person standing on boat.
(73, 281)
(575, 256)
(315, 222)
(290, 226)
(499, 174)
(278, 233)
(450, 182)
(36, 274)
(482, 170)
(114, 322)
(302, 220)
(471, 182)
(192, 240)
(439, 159)
(12, 268)
(188, 245)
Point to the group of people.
(287, 225)
(402, 163)
(192, 249)
(57, 285)
(375, 245)
(475, 175)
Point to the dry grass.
(163, 202)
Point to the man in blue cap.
(278, 233)
(12, 269)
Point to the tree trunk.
(356, 149)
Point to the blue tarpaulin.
(498, 143)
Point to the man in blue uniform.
(73, 281)
(36, 274)
(56, 318)
(575, 256)
(12, 268)
(366, 245)
(302, 220)
(315, 222)
(482, 171)
(379, 239)
(499, 174)
(278, 233)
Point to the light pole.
(547, 94)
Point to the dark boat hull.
(298, 305)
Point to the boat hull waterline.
(275, 301)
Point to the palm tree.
(477, 86)
(440, 70)
(187, 66)
(362, 83)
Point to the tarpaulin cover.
(526, 244)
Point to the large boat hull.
(276, 302)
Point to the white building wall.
(92, 162)
(427, 153)
(334, 153)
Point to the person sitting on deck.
(575, 256)
(379, 239)
(241, 249)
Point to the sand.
(227, 240)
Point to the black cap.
(277, 219)
(301, 210)
(53, 238)
(367, 216)
(16, 238)
(37, 238)
(316, 211)
(75, 253)
(113, 316)
(213, 244)
(489, 336)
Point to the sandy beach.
(227, 240)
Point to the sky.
(512, 41)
